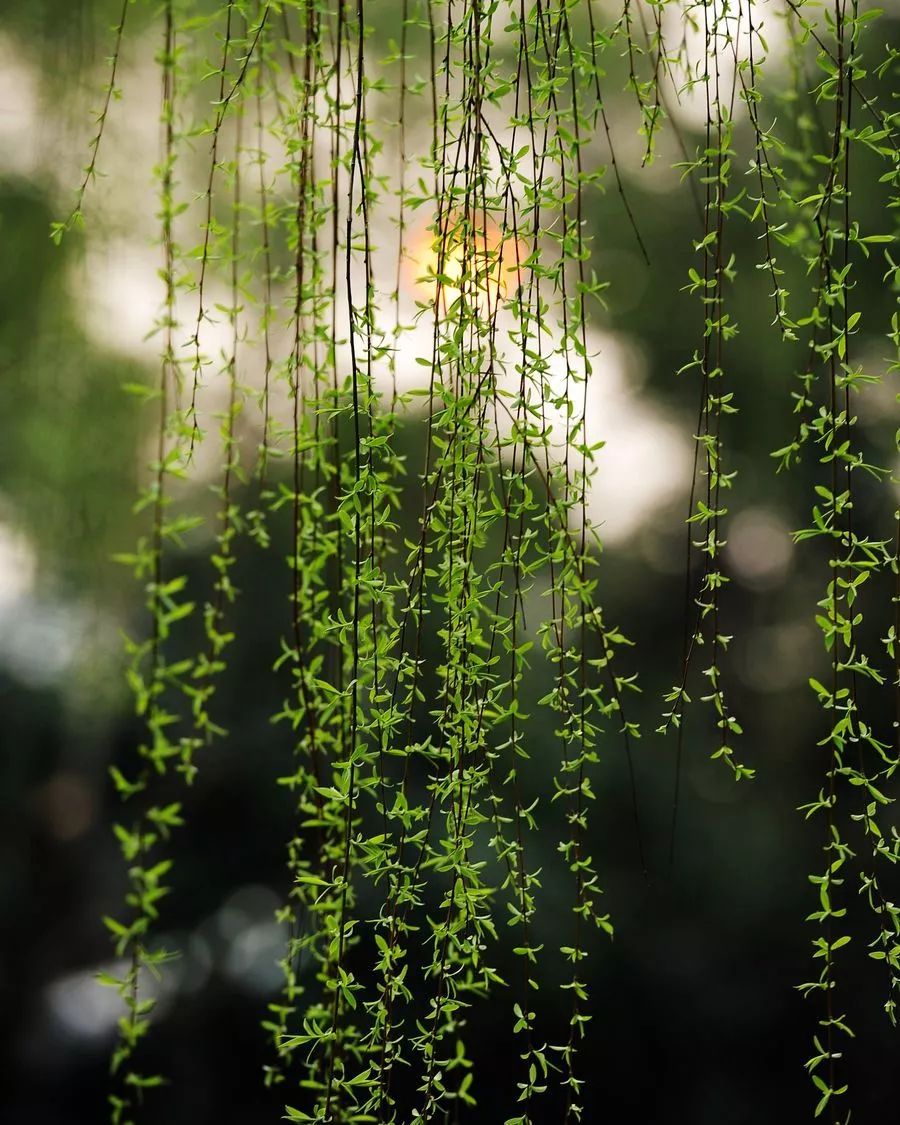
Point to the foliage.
(408, 658)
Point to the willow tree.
(374, 221)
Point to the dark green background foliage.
(695, 1013)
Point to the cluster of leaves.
(860, 843)
(404, 659)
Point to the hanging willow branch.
(406, 285)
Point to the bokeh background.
(696, 1016)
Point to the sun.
(473, 257)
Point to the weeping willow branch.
(388, 251)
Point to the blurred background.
(696, 1016)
